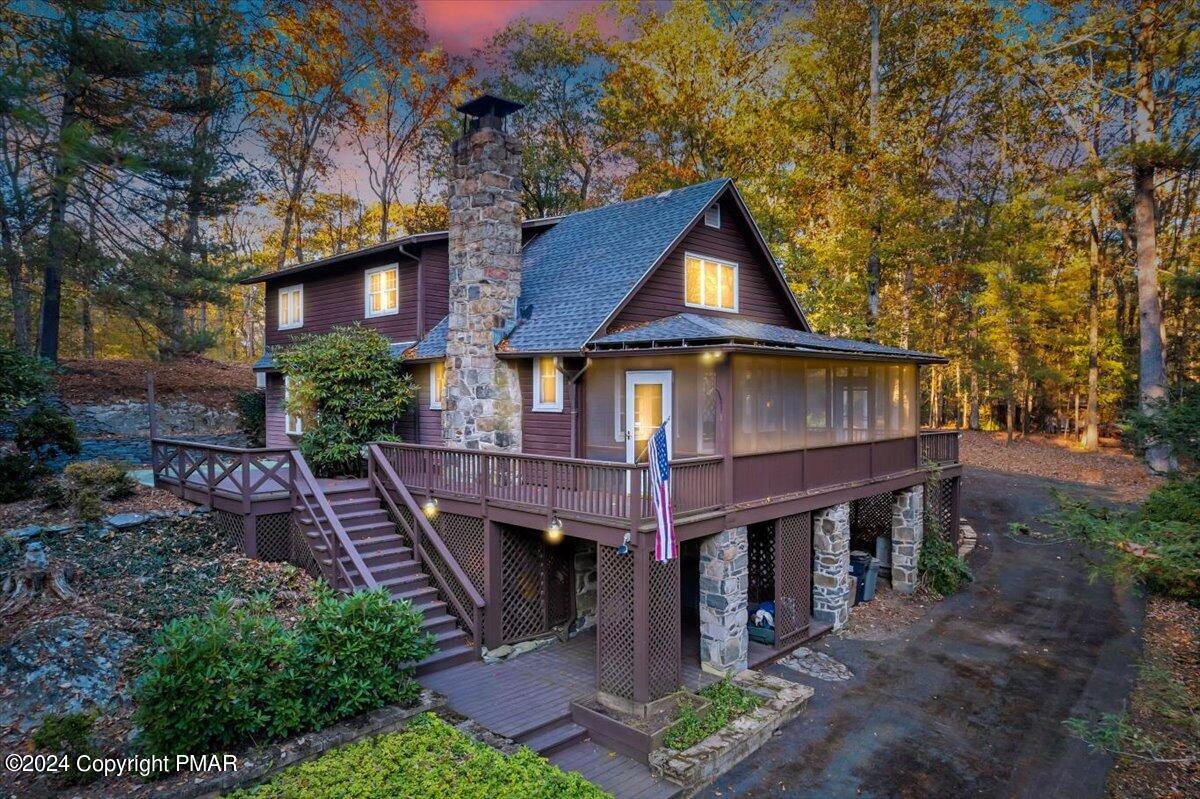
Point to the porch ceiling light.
(430, 507)
(554, 532)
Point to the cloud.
(460, 26)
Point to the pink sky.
(462, 25)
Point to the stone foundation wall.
(831, 565)
(724, 583)
(908, 528)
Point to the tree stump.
(37, 575)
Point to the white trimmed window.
(710, 283)
(382, 287)
(712, 216)
(437, 385)
(547, 384)
(293, 424)
(291, 307)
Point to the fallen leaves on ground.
(1165, 706)
(887, 615)
(1060, 459)
(208, 382)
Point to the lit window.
(437, 385)
(293, 424)
(712, 216)
(291, 307)
(547, 384)
(383, 291)
(710, 283)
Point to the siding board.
(544, 432)
(760, 296)
(276, 437)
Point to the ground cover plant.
(237, 675)
(727, 702)
(428, 759)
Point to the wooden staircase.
(390, 562)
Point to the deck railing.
(216, 469)
(939, 446)
(429, 549)
(600, 489)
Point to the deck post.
(248, 518)
(725, 426)
(492, 576)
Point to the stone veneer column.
(831, 564)
(482, 404)
(724, 581)
(908, 528)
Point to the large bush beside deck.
(428, 759)
(348, 390)
(238, 675)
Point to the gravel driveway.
(970, 700)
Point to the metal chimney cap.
(490, 105)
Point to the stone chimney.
(481, 408)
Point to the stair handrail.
(335, 536)
(424, 536)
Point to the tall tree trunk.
(18, 292)
(874, 268)
(48, 330)
(1091, 436)
(973, 421)
(1010, 410)
(1152, 378)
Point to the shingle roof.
(689, 328)
(267, 361)
(576, 273)
(433, 345)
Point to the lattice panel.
(870, 517)
(522, 585)
(664, 643)
(762, 562)
(793, 578)
(273, 532)
(939, 508)
(232, 527)
(301, 554)
(465, 539)
(614, 627)
(560, 582)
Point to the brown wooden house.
(546, 352)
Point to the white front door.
(647, 404)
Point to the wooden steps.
(391, 564)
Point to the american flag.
(666, 545)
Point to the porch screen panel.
(786, 403)
(693, 409)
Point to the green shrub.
(1174, 420)
(46, 433)
(85, 485)
(18, 477)
(69, 735)
(252, 416)
(727, 703)
(23, 378)
(941, 569)
(1157, 545)
(348, 389)
(218, 681)
(428, 759)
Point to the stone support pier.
(724, 581)
(831, 565)
(908, 528)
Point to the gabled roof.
(576, 274)
(689, 329)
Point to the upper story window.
(710, 283)
(712, 216)
(437, 385)
(291, 307)
(547, 384)
(383, 291)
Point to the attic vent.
(712, 216)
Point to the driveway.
(970, 699)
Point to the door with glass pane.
(647, 404)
